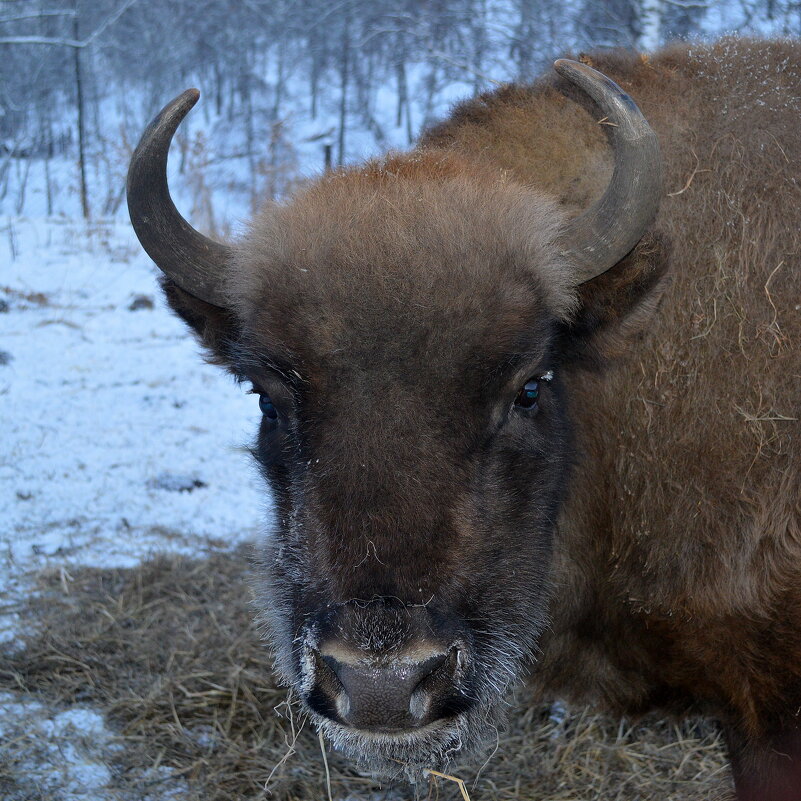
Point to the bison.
(530, 401)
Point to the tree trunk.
(343, 101)
(315, 78)
(275, 122)
(650, 25)
(81, 117)
(250, 137)
(48, 178)
(218, 80)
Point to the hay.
(168, 651)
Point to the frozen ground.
(66, 753)
(116, 441)
(116, 436)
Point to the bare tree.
(380, 66)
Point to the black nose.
(406, 691)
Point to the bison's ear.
(619, 304)
(216, 328)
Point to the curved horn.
(608, 230)
(187, 257)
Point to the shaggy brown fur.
(680, 544)
(393, 289)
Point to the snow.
(118, 439)
(117, 442)
(64, 750)
(62, 755)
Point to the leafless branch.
(76, 43)
(69, 12)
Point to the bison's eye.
(529, 395)
(267, 407)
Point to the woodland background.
(286, 83)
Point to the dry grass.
(168, 651)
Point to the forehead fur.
(422, 230)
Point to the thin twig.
(690, 179)
(774, 325)
(291, 750)
(466, 68)
(325, 762)
(459, 782)
(75, 43)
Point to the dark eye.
(267, 407)
(529, 395)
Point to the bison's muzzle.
(385, 668)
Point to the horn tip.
(190, 96)
(567, 67)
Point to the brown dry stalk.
(459, 782)
(774, 323)
(325, 763)
(690, 179)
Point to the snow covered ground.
(66, 753)
(116, 441)
(117, 438)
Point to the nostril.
(440, 666)
(325, 670)
(327, 696)
(427, 668)
(437, 683)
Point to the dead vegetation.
(168, 652)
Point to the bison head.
(404, 325)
